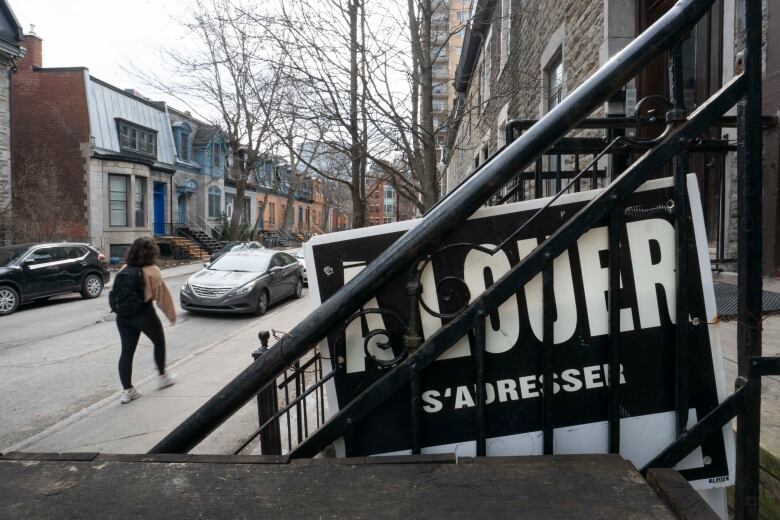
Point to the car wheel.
(262, 303)
(299, 288)
(9, 300)
(92, 286)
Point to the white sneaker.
(166, 380)
(129, 394)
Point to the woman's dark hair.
(144, 251)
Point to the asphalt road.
(60, 356)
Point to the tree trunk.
(238, 207)
(429, 181)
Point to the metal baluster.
(479, 368)
(577, 171)
(748, 14)
(558, 166)
(613, 388)
(305, 411)
(297, 372)
(538, 179)
(321, 416)
(681, 248)
(593, 180)
(287, 415)
(412, 340)
(548, 300)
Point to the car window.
(276, 261)
(287, 259)
(254, 245)
(60, 253)
(41, 256)
(73, 252)
(241, 262)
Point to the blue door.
(182, 199)
(159, 208)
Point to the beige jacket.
(155, 289)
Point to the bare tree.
(325, 45)
(36, 183)
(234, 70)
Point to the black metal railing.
(291, 406)
(403, 260)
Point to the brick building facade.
(520, 58)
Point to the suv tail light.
(101, 257)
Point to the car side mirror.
(275, 269)
(26, 264)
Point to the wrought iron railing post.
(267, 406)
(613, 388)
(412, 341)
(548, 342)
(479, 393)
(748, 13)
(680, 168)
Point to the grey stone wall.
(517, 90)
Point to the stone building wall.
(540, 31)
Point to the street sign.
(466, 263)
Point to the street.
(60, 356)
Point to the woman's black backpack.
(127, 294)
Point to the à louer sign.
(513, 365)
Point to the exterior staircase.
(203, 239)
(184, 246)
(278, 238)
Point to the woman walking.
(136, 285)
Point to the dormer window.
(216, 155)
(136, 139)
(183, 143)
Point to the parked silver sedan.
(246, 281)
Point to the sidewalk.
(111, 427)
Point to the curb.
(94, 407)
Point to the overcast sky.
(104, 35)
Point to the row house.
(124, 166)
(111, 149)
(272, 180)
(520, 59)
(201, 162)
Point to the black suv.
(36, 271)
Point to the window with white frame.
(439, 105)
(118, 199)
(137, 139)
(139, 201)
(230, 199)
(553, 76)
(506, 27)
(554, 81)
(215, 202)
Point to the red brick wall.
(50, 122)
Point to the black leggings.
(130, 329)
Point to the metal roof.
(108, 103)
